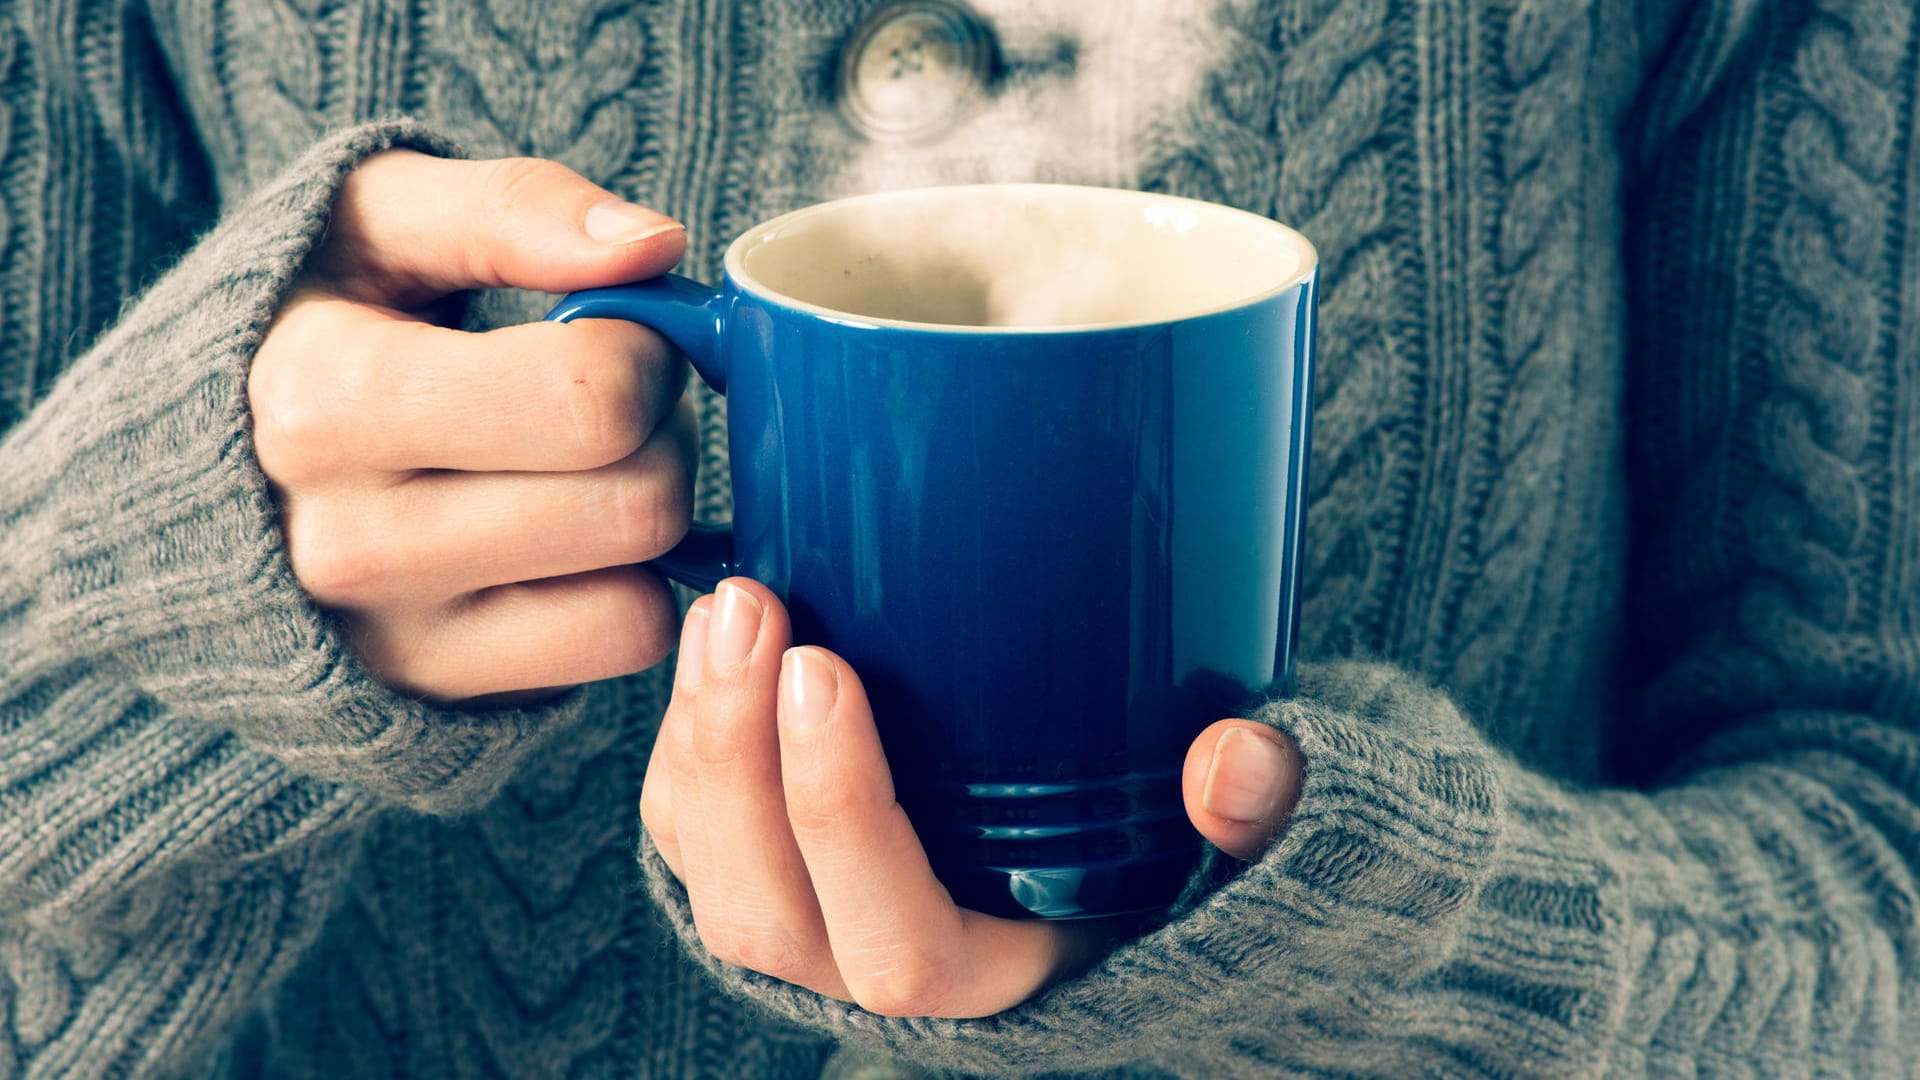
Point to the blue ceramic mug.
(1032, 458)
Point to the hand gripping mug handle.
(693, 317)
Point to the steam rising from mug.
(1012, 266)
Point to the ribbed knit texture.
(1611, 724)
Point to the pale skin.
(475, 507)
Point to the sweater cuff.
(144, 537)
(1395, 832)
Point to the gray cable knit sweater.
(1615, 523)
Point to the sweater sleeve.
(1745, 901)
(187, 747)
(142, 541)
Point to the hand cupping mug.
(1032, 458)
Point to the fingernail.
(616, 221)
(1243, 781)
(808, 685)
(693, 648)
(736, 623)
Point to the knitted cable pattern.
(1789, 566)
(1297, 122)
(1527, 379)
(212, 852)
(19, 367)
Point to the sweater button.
(914, 70)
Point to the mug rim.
(736, 273)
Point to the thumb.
(1241, 781)
(408, 228)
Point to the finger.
(441, 535)
(675, 751)
(340, 387)
(656, 793)
(756, 902)
(1241, 781)
(407, 228)
(901, 945)
(532, 635)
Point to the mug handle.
(693, 317)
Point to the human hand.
(769, 797)
(473, 504)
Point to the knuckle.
(646, 619)
(770, 951)
(356, 385)
(654, 507)
(394, 654)
(435, 671)
(297, 437)
(644, 652)
(336, 570)
(362, 206)
(509, 185)
(724, 944)
(283, 443)
(600, 401)
(910, 988)
(724, 742)
(311, 391)
(821, 805)
(655, 813)
(507, 200)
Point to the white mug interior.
(1005, 257)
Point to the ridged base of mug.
(1127, 887)
(1059, 849)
